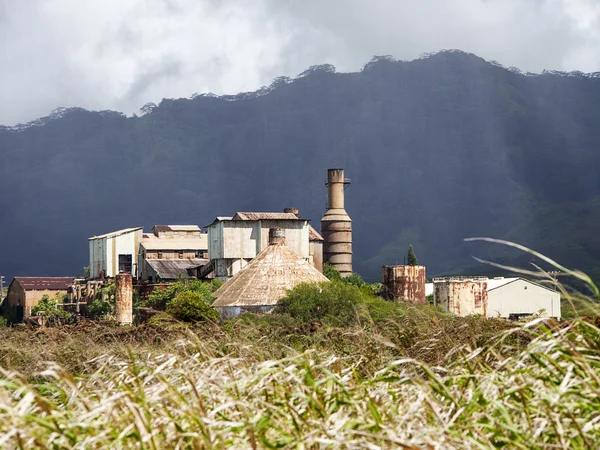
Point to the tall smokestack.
(336, 225)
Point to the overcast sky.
(121, 54)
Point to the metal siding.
(513, 298)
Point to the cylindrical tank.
(124, 299)
(404, 283)
(336, 225)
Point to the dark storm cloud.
(110, 54)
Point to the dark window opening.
(124, 263)
(181, 254)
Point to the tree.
(411, 260)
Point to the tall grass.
(545, 396)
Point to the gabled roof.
(171, 269)
(266, 278)
(313, 235)
(115, 233)
(266, 216)
(45, 283)
(499, 282)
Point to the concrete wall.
(523, 297)
(316, 254)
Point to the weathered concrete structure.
(124, 299)
(234, 241)
(315, 243)
(114, 253)
(496, 297)
(25, 292)
(336, 225)
(404, 283)
(260, 286)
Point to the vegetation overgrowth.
(336, 366)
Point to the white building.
(234, 241)
(496, 297)
(114, 253)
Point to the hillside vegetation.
(438, 149)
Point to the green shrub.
(160, 298)
(48, 309)
(191, 306)
(330, 272)
(335, 302)
(100, 307)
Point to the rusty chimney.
(124, 299)
(336, 225)
(276, 236)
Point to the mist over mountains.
(438, 149)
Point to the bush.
(48, 309)
(100, 307)
(160, 298)
(191, 306)
(335, 302)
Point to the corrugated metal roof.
(197, 242)
(171, 269)
(265, 216)
(115, 233)
(45, 283)
(313, 235)
(265, 280)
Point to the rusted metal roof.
(265, 216)
(176, 228)
(45, 283)
(265, 280)
(171, 269)
(313, 235)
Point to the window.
(180, 254)
(125, 263)
(159, 255)
(197, 253)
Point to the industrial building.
(171, 252)
(510, 298)
(25, 292)
(336, 225)
(259, 287)
(235, 241)
(114, 253)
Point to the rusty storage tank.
(461, 295)
(336, 225)
(404, 282)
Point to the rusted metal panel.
(265, 216)
(124, 299)
(405, 282)
(462, 296)
(45, 283)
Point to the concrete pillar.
(124, 299)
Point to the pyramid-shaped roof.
(264, 281)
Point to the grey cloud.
(109, 54)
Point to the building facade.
(114, 253)
(234, 241)
(171, 252)
(509, 298)
(25, 292)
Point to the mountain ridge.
(439, 149)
